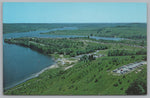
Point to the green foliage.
(137, 88)
(126, 52)
(85, 78)
(63, 46)
(115, 85)
(139, 85)
(132, 31)
(86, 58)
(90, 76)
(27, 27)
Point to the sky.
(21, 12)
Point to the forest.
(129, 31)
(64, 46)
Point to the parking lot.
(129, 67)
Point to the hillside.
(89, 75)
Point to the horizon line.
(74, 22)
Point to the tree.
(138, 87)
(91, 34)
(91, 57)
(84, 58)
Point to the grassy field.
(85, 78)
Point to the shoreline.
(58, 62)
(49, 67)
(32, 76)
(55, 65)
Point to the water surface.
(21, 62)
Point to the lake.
(22, 63)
